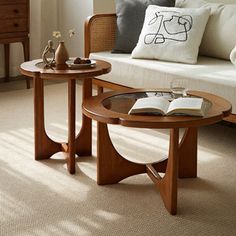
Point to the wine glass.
(178, 88)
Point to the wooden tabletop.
(95, 109)
(30, 68)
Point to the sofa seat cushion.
(209, 74)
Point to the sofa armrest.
(99, 33)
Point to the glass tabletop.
(122, 103)
(41, 65)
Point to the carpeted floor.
(41, 198)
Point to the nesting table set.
(112, 108)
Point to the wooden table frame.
(182, 157)
(77, 144)
(181, 162)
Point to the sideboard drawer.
(13, 11)
(14, 28)
(13, 25)
(6, 2)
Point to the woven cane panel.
(102, 34)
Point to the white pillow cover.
(172, 34)
(220, 34)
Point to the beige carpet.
(41, 198)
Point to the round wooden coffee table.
(80, 144)
(113, 107)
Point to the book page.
(184, 105)
(150, 104)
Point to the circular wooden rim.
(31, 69)
(93, 108)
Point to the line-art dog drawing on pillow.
(174, 27)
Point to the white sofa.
(212, 75)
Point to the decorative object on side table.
(59, 56)
(79, 63)
(49, 50)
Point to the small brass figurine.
(49, 51)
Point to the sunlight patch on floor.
(107, 215)
(11, 207)
(144, 146)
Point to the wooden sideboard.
(14, 27)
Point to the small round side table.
(80, 144)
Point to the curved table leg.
(188, 154)
(168, 184)
(112, 167)
(71, 126)
(44, 146)
(84, 138)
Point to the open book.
(161, 106)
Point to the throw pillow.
(172, 34)
(233, 56)
(130, 17)
(220, 34)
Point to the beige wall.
(104, 6)
(73, 14)
(49, 21)
(43, 18)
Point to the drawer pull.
(16, 25)
(16, 11)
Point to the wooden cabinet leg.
(25, 44)
(7, 61)
(26, 49)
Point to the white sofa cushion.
(209, 74)
(220, 34)
(171, 34)
(221, 1)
